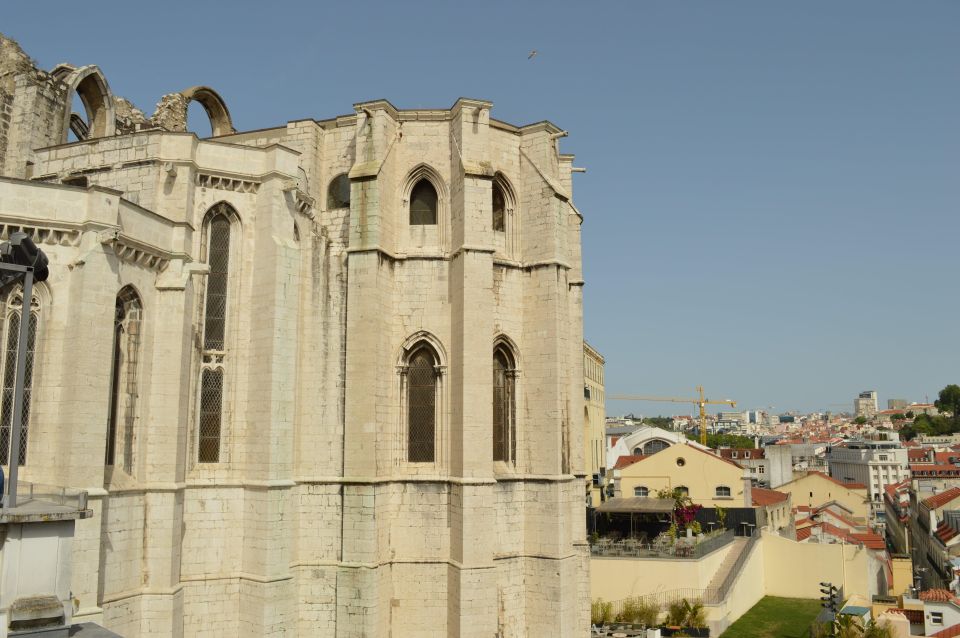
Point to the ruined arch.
(213, 104)
(89, 83)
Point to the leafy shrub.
(635, 610)
(601, 612)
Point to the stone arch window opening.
(198, 121)
(504, 405)
(219, 250)
(503, 221)
(127, 331)
(13, 308)
(423, 204)
(90, 112)
(422, 375)
(338, 192)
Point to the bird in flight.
(532, 54)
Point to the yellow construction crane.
(702, 402)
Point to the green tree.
(860, 420)
(949, 400)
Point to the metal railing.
(731, 577)
(682, 548)
(32, 494)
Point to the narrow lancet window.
(421, 406)
(123, 384)
(499, 209)
(14, 310)
(423, 204)
(504, 406)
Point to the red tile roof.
(764, 497)
(627, 460)
(804, 534)
(949, 632)
(915, 616)
(941, 499)
(945, 533)
(870, 540)
(938, 595)
(917, 455)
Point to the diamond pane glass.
(499, 407)
(218, 258)
(9, 378)
(421, 403)
(423, 204)
(211, 407)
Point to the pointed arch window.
(499, 208)
(11, 340)
(423, 204)
(421, 406)
(217, 253)
(127, 330)
(504, 406)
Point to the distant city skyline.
(770, 205)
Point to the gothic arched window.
(338, 193)
(499, 208)
(504, 406)
(218, 229)
(421, 405)
(127, 328)
(11, 341)
(423, 204)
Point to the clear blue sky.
(771, 207)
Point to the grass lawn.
(776, 618)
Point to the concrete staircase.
(739, 546)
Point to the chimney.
(747, 489)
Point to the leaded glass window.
(423, 204)
(215, 362)
(11, 341)
(421, 406)
(504, 406)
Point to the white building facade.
(875, 464)
(323, 379)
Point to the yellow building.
(817, 488)
(708, 479)
(594, 418)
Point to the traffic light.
(831, 597)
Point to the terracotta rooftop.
(804, 534)
(930, 470)
(941, 499)
(915, 616)
(870, 540)
(748, 454)
(949, 632)
(627, 460)
(764, 497)
(938, 595)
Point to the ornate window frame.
(217, 361)
(506, 242)
(427, 172)
(411, 346)
(505, 345)
(13, 308)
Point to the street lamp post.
(20, 261)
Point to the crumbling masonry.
(322, 379)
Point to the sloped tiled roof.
(764, 497)
(938, 595)
(949, 632)
(944, 532)
(941, 499)
(804, 534)
(628, 460)
(915, 616)
(870, 540)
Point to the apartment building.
(875, 464)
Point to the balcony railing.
(683, 548)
